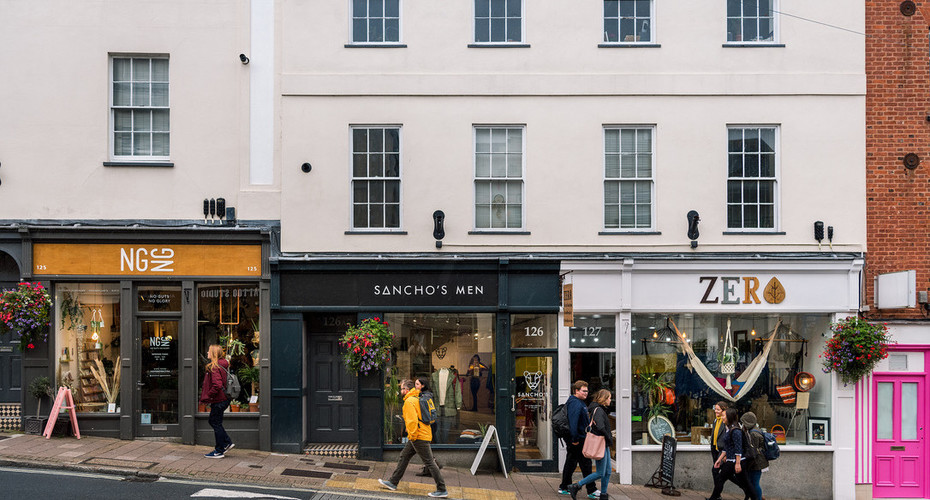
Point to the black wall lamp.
(244, 58)
(306, 168)
(439, 232)
(693, 233)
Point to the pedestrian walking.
(757, 441)
(577, 423)
(213, 393)
(730, 461)
(600, 425)
(419, 436)
(716, 440)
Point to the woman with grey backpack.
(213, 393)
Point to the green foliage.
(248, 374)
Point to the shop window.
(667, 384)
(158, 298)
(595, 331)
(228, 315)
(534, 331)
(87, 333)
(456, 354)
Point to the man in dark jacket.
(577, 423)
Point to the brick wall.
(897, 106)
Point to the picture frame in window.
(818, 430)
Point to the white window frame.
(112, 111)
(399, 178)
(775, 24)
(775, 179)
(489, 178)
(619, 180)
(650, 23)
(474, 21)
(352, 17)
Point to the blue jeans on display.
(601, 471)
(216, 421)
(754, 477)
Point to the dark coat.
(214, 384)
(600, 422)
(577, 418)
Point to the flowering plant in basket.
(25, 311)
(855, 348)
(367, 346)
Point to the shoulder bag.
(593, 443)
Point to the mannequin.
(448, 394)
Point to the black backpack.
(749, 451)
(560, 422)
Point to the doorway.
(534, 442)
(898, 447)
(158, 411)
(332, 401)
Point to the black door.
(11, 360)
(333, 403)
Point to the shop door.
(898, 444)
(333, 411)
(534, 443)
(157, 388)
(11, 361)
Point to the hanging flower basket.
(856, 347)
(25, 312)
(367, 346)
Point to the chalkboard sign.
(664, 476)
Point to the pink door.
(898, 436)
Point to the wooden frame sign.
(127, 259)
(568, 311)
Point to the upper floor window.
(627, 21)
(751, 180)
(499, 21)
(375, 177)
(750, 20)
(498, 177)
(628, 178)
(139, 108)
(375, 21)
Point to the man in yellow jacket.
(419, 436)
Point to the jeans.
(573, 458)
(444, 424)
(754, 477)
(418, 447)
(216, 421)
(602, 472)
(728, 472)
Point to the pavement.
(150, 460)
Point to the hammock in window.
(749, 375)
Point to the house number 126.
(534, 331)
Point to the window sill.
(376, 232)
(628, 233)
(138, 164)
(498, 46)
(627, 45)
(759, 44)
(390, 45)
(518, 233)
(755, 233)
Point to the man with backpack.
(419, 436)
(577, 423)
(755, 443)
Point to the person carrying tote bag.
(599, 430)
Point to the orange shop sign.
(108, 259)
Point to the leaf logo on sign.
(774, 292)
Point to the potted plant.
(250, 375)
(40, 388)
(855, 348)
(367, 346)
(243, 406)
(234, 406)
(202, 407)
(25, 311)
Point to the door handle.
(140, 384)
(513, 403)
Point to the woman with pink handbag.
(596, 445)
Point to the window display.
(87, 332)
(456, 353)
(228, 315)
(683, 364)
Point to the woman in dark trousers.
(600, 425)
(730, 461)
(214, 393)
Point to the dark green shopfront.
(482, 330)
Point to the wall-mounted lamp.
(830, 236)
(804, 381)
(911, 161)
(244, 58)
(439, 232)
(693, 233)
(220, 208)
(818, 233)
(306, 168)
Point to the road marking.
(218, 493)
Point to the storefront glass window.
(157, 298)
(594, 331)
(539, 331)
(456, 353)
(668, 385)
(87, 333)
(228, 315)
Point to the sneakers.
(439, 494)
(595, 496)
(215, 454)
(564, 492)
(389, 485)
(229, 447)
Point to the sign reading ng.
(146, 260)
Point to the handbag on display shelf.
(779, 433)
(593, 444)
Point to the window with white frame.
(375, 177)
(751, 20)
(627, 21)
(498, 177)
(139, 108)
(628, 177)
(751, 180)
(498, 21)
(375, 21)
